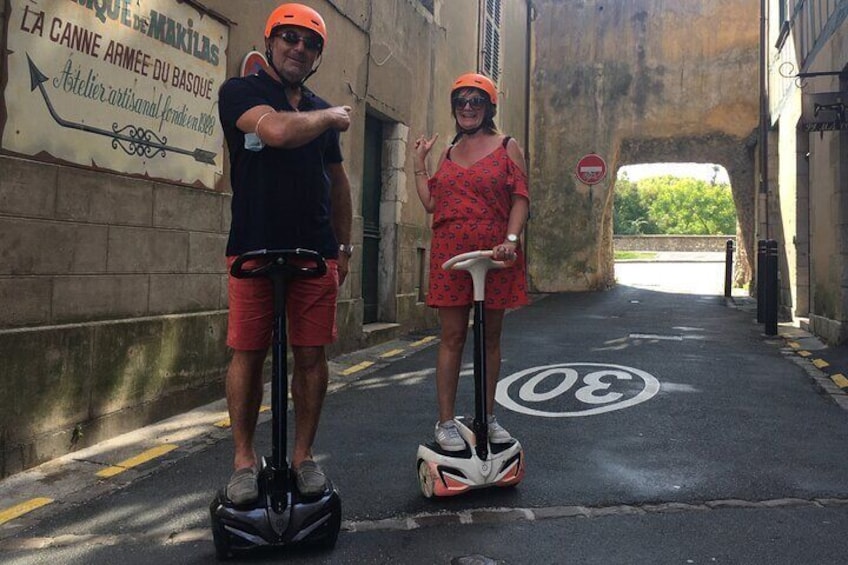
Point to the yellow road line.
(423, 341)
(225, 423)
(392, 353)
(357, 367)
(839, 380)
(804, 353)
(144, 457)
(24, 507)
(821, 363)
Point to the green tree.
(690, 206)
(630, 212)
(673, 205)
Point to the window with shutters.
(490, 45)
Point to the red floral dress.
(472, 211)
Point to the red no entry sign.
(252, 63)
(591, 169)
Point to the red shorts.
(310, 310)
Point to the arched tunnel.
(634, 81)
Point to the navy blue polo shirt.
(281, 197)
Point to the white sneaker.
(497, 433)
(447, 436)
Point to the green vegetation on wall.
(674, 206)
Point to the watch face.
(512, 238)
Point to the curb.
(807, 351)
(104, 468)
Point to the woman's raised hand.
(423, 147)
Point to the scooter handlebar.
(466, 261)
(279, 261)
(478, 264)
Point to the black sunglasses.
(309, 41)
(476, 103)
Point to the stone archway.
(635, 81)
(735, 155)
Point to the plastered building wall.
(806, 203)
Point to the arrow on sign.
(132, 139)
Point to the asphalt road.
(659, 426)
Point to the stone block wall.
(112, 305)
(695, 243)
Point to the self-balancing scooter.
(481, 464)
(281, 516)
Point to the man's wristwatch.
(347, 249)
(512, 238)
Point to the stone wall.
(94, 268)
(694, 243)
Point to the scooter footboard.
(304, 521)
(446, 475)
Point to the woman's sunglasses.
(293, 38)
(476, 103)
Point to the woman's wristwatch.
(512, 238)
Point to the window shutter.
(492, 40)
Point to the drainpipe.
(764, 113)
(531, 16)
(528, 74)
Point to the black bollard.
(761, 280)
(728, 269)
(771, 288)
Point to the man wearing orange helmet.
(290, 190)
(479, 200)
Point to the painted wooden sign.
(124, 86)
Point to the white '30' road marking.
(520, 391)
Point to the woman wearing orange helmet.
(479, 200)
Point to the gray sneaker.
(497, 433)
(243, 487)
(310, 478)
(447, 436)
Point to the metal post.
(761, 280)
(728, 269)
(771, 288)
(481, 423)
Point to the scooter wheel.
(426, 480)
(223, 551)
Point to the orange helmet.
(296, 15)
(474, 80)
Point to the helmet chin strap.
(463, 131)
(287, 83)
(469, 131)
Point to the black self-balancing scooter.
(481, 464)
(281, 516)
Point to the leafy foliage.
(631, 215)
(673, 205)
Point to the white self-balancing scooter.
(481, 464)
